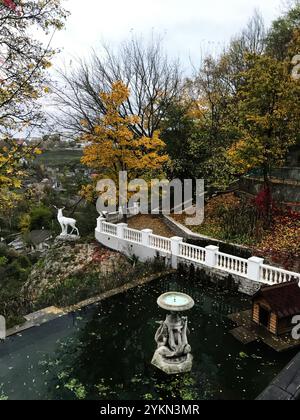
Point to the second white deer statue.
(66, 222)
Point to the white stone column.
(254, 266)
(120, 230)
(99, 223)
(175, 250)
(145, 236)
(211, 255)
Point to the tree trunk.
(268, 199)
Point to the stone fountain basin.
(175, 302)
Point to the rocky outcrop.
(65, 260)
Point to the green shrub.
(40, 217)
(86, 219)
(3, 261)
(24, 261)
(16, 271)
(239, 223)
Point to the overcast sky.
(189, 26)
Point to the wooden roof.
(284, 299)
(38, 237)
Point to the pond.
(104, 352)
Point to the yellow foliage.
(113, 147)
(88, 192)
(24, 223)
(12, 172)
(269, 113)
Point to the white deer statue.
(66, 222)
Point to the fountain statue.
(173, 354)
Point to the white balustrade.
(253, 268)
(191, 252)
(109, 228)
(211, 254)
(160, 243)
(272, 275)
(133, 235)
(232, 264)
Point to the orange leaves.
(114, 146)
(282, 244)
(118, 95)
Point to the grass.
(229, 219)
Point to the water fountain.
(173, 354)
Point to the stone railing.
(272, 275)
(145, 245)
(110, 229)
(192, 253)
(132, 235)
(232, 264)
(159, 243)
(117, 216)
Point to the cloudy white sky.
(189, 26)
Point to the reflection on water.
(104, 352)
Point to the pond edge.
(52, 313)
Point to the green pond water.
(104, 352)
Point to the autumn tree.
(282, 32)
(24, 58)
(213, 100)
(269, 115)
(178, 131)
(12, 171)
(23, 61)
(153, 79)
(113, 147)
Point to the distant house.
(39, 240)
(274, 307)
(18, 244)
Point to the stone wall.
(144, 253)
(287, 192)
(245, 286)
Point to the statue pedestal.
(173, 353)
(173, 366)
(67, 238)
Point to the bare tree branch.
(153, 81)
